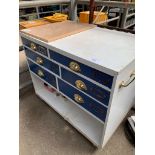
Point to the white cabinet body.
(94, 71)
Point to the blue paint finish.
(92, 73)
(89, 104)
(40, 49)
(46, 63)
(51, 79)
(93, 90)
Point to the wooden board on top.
(54, 31)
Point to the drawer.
(92, 73)
(51, 79)
(34, 46)
(42, 61)
(89, 104)
(93, 90)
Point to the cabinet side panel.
(123, 100)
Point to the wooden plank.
(54, 31)
(28, 24)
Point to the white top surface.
(108, 48)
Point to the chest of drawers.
(93, 70)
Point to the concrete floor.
(44, 132)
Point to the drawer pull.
(81, 85)
(40, 73)
(39, 60)
(127, 83)
(78, 98)
(33, 46)
(74, 66)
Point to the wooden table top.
(54, 31)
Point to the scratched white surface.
(108, 48)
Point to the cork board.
(54, 31)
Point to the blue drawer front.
(39, 48)
(46, 63)
(92, 106)
(93, 90)
(47, 76)
(94, 74)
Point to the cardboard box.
(84, 16)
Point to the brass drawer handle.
(40, 73)
(78, 98)
(127, 83)
(39, 60)
(74, 66)
(81, 85)
(33, 46)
